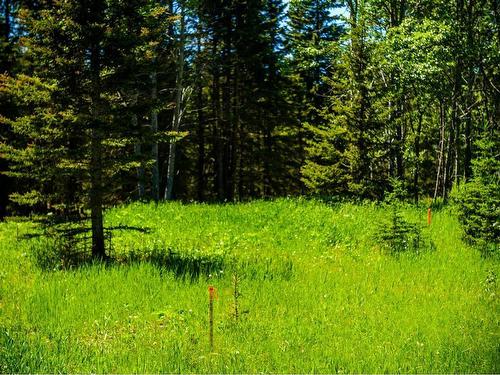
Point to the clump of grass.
(181, 263)
(64, 245)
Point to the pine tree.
(76, 107)
(9, 62)
(312, 33)
(350, 132)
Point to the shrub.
(478, 201)
(62, 247)
(397, 235)
(46, 254)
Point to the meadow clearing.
(315, 292)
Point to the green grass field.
(318, 294)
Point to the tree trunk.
(461, 56)
(396, 16)
(470, 92)
(138, 155)
(176, 120)
(417, 156)
(95, 170)
(227, 123)
(362, 172)
(98, 248)
(399, 146)
(239, 136)
(441, 148)
(140, 169)
(200, 166)
(155, 172)
(267, 160)
(216, 134)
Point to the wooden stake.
(236, 294)
(429, 216)
(211, 295)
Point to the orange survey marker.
(429, 216)
(212, 292)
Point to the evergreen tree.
(351, 131)
(281, 100)
(9, 62)
(312, 34)
(478, 201)
(76, 105)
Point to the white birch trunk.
(176, 119)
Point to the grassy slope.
(344, 307)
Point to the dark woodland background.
(109, 101)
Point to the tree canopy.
(108, 101)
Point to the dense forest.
(103, 102)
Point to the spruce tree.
(349, 133)
(9, 62)
(478, 201)
(74, 126)
(312, 32)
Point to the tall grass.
(317, 294)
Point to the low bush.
(398, 235)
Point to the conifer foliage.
(103, 102)
(73, 128)
(478, 201)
